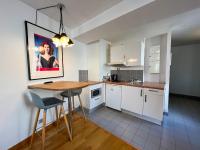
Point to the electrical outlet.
(40, 120)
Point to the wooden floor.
(86, 136)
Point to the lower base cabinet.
(153, 104)
(132, 99)
(145, 102)
(113, 96)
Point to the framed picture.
(45, 60)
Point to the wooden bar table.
(62, 86)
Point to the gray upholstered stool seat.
(72, 93)
(47, 103)
(50, 102)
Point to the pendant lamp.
(60, 39)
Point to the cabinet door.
(113, 96)
(134, 52)
(132, 99)
(117, 53)
(153, 104)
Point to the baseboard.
(158, 122)
(185, 96)
(95, 108)
(165, 113)
(28, 139)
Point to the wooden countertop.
(153, 85)
(66, 85)
(62, 85)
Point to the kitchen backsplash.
(128, 75)
(83, 75)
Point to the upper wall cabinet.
(117, 54)
(130, 53)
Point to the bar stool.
(47, 103)
(74, 92)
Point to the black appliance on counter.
(114, 78)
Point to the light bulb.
(64, 39)
(56, 40)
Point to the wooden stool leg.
(66, 122)
(60, 109)
(81, 106)
(56, 109)
(35, 125)
(43, 129)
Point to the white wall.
(93, 61)
(16, 113)
(185, 72)
(96, 60)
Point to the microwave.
(95, 92)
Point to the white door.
(113, 96)
(153, 104)
(132, 99)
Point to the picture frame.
(44, 59)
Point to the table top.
(61, 85)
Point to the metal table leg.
(70, 111)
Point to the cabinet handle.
(153, 91)
(141, 92)
(97, 99)
(145, 98)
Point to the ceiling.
(188, 32)
(161, 15)
(77, 11)
(166, 12)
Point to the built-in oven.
(95, 92)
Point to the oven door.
(95, 92)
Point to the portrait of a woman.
(46, 54)
(47, 60)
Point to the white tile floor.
(180, 129)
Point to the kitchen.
(137, 75)
(120, 59)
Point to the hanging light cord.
(62, 31)
(62, 28)
(36, 13)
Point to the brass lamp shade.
(56, 40)
(70, 43)
(64, 39)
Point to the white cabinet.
(153, 104)
(144, 101)
(134, 52)
(132, 99)
(117, 54)
(113, 96)
(129, 52)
